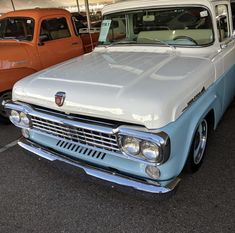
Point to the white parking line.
(9, 145)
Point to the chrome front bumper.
(113, 178)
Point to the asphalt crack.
(8, 146)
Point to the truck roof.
(136, 4)
(36, 13)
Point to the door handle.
(75, 43)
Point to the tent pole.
(88, 15)
(13, 6)
(78, 6)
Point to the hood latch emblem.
(60, 98)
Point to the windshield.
(181, 26)
(17, 28)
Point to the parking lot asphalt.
(36, 196)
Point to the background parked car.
(32, 40)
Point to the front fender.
(181, 131)
(8, 77)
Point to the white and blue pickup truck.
(138, 110)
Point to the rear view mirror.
(148, 18)
(114, 24)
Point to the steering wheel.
(187, 38)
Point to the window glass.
(53, 29)
(222, 22)
(77, 24)
(233, 13)
(183, 26)
(17, 28)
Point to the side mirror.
(43, 38)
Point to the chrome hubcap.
(200, 141)
(6, 96)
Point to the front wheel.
(198, 147)
(4, 97)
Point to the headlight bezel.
(23, 116)
(159, 139)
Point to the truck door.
(227, 55)
(57, 41)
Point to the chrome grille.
(75, 134)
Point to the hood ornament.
(60, 98)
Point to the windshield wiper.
(161, 42)
(135, 42)
(120, 42)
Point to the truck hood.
(150, 89)
(12, 55)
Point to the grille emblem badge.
(60, 98)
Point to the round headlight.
(131, 145)
(150, 151)
(14, 117)
(24, 119)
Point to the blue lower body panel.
(112, 177)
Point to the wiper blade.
(160, 41)
(121, 42)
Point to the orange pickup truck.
(31, 40)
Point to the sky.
(5, 5)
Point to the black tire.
(6, 96)
(198, 147)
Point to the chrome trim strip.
(66, 122)
(74, 116)
(96, 172)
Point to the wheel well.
(3, 92)
(210, 117)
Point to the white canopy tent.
(78, 7)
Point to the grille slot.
(81, 150)
(75, 134)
